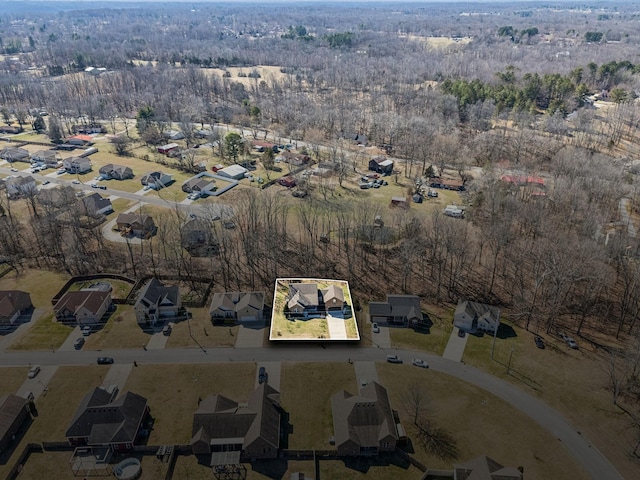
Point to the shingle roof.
(103, 422)
(485, 468)
(92, 300)
(305, 294)
(12, 301)
(365, 419)
(157, 293)
(10, 408)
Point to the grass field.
(572, 381)
(320, 381)
(42, 285)
(199, 331)
(479, 423)
(173, 392)
(187, 467)
(120, 331)
(12, 379)
(45, 334)
(434, 341)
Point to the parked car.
(105, 360)
(75, 182)
(85, 330)
(419, 363)
(167, 330)
(102, 187)
(262, 375)
(46, 182)
(393, 359)
(14, 169)
(461, 333)
(571, 342)
(539, 342)
(78, 343)
(375, 328)
(432, 193)
(363, 382)
(29, 396)
(94, 185)
(34, 371)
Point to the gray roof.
(155, 293)
(103, 422)
(475, 310)
(95, 202)
(485, 468)
(365, 419)
(306, 294)
(407, 306)
(234, 301)
(222, 419)
(11, 407)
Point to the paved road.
(583, 451)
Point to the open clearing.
(12, 379)
(42, 285)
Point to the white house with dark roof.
(476, 317)
(84, 307)
(156, 302)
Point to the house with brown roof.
(229, 431)
(80, 140)
(13, 303)
(136, 224)
(381, 164)
(398, 309)
(102, 420)
(479, 468)
(83, 307)
(157, 302)
(202, 184)
(95, 205)
(364, 425)
(237, 306)
(115, 172)
(13, 413)
(476, 317)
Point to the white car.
(46, 182)
(34, 371)
(75, 182)
(14, 169)
(375, 328)
(419, 363)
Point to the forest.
(478, 89)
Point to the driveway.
(337, 330)
(382, 339)
(157, 341)
(67, 345)
(9, 336)
(38, 385)
(273, 373)
(251, 334)
(455, 346)
(118, 375)
(365, 372)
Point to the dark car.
(262, 375)
(461, 333)
(539, 342)
(105, 360)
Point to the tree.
(55, 130)
(121, 144)
(39, 125)
(233, 145)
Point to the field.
(120, 331)
(198, 331)
(42, 285)
(45, 334)
(12, 379)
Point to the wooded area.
(477, 89)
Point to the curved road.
(582, 450)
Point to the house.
(136, 224)
(46, 157)
(14, 154)
(13, 303)
(228, 431)
(296, 159)
(448, 184)
(76, 165)
(116, 172)
(80, 140)
(14, 411)
(364, 425)
(287, 181)
(307, 300)
(202, 184)
(235, 172)
(88, 129)
(102, 420)
(453, 211)
(479, 468)
(203, 133)
(156, 301)
(20, 186)
(83, 307)
(156, 180)
(169, 147)
(262, 146)
(95, 205)
(174, 135)
(398, 309)
(381, 164)
(399, 202)
(237, 306)
(476, 317)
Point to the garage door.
(252, 318)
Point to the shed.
(399, 202)
(233, 171)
